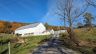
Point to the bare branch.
(68, 10)
(91, 2)
(80, 13)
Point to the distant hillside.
(9, 27)
(49, 27)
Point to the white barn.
(32, 29)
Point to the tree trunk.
(72, 35)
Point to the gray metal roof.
(28, 26)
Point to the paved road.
(52, 47)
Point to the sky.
(23, 10)
(31, 11)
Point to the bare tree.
(69, 12)
(91, 2)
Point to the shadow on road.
(50, 47)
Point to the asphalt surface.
(52, 47)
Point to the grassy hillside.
(31, 43)
(87, 41)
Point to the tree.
(2, 26)
(91, 2)
(7, 27)
(80, 25)
(15, 25)
(46, 25)
(69, 12)
(88, 20)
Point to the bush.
(63, 36)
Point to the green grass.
(3, 48)
(31, 43)
(87, 37)
(6, 37)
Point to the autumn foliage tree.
(2, 26)
(15, 25)
(55, 28)
(9, 27)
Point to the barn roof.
(28, 26)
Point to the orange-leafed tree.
(15, 25)
(5, 27)
(2, 26)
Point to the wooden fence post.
(9, 47)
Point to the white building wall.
(38, 30)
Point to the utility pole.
(9, 48)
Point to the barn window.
(29, 34)
(18, 34)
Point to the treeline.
(49, 27)
(88, 21)
(9, 27)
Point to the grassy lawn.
(31, 43)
